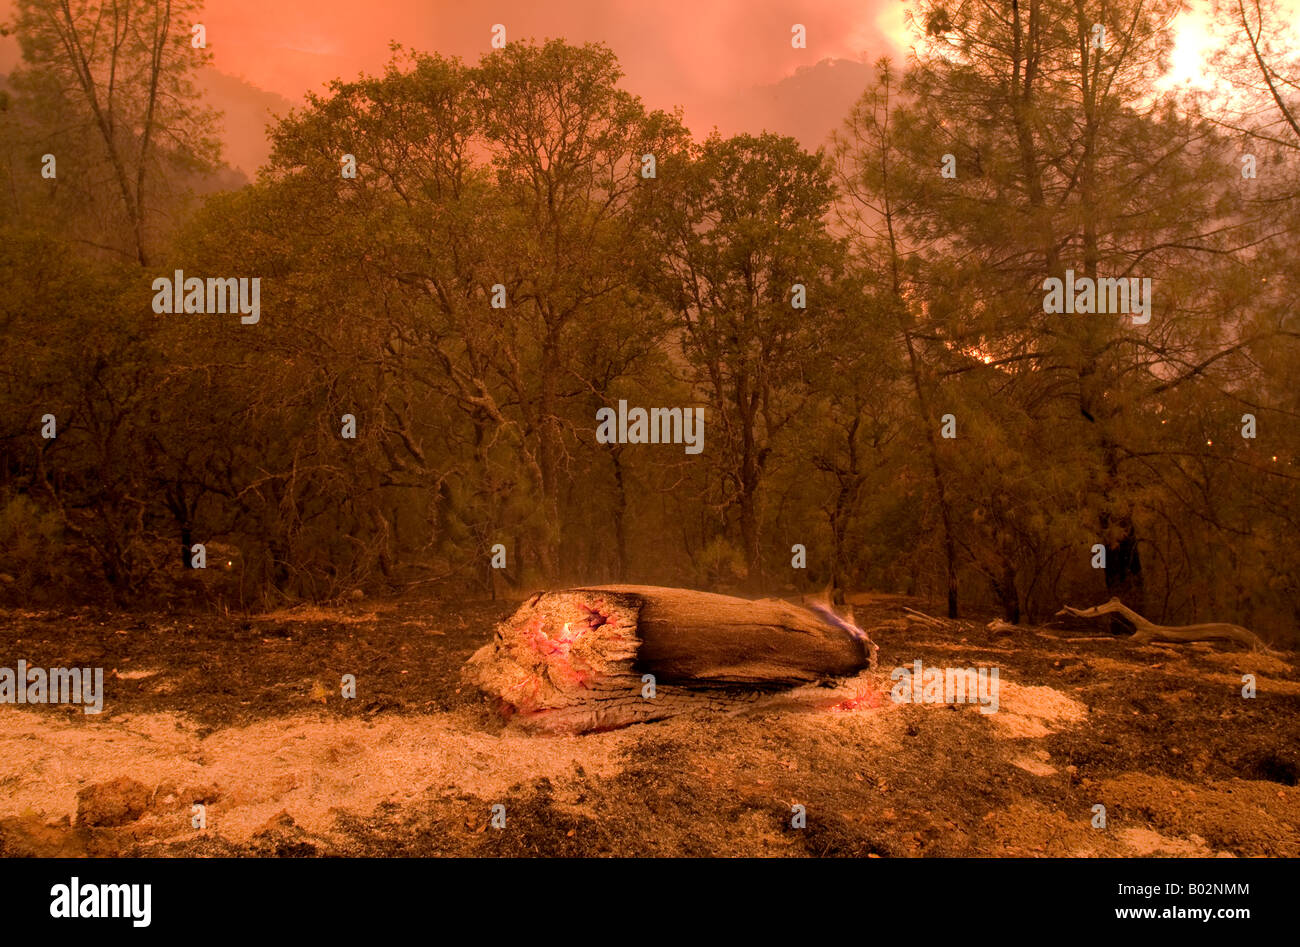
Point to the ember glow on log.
(576, 660)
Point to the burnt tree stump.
(573, 661)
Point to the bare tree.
(113, 78)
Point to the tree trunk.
(550, 551)
(620, 513)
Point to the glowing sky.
(674, 51)
(717, 59)
(693, 53)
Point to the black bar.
(617, 898)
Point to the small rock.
(166, 797)
(204, 794)
(115, 802)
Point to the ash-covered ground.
(245, 716)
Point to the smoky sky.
(721, 61)
(728, 64)
(674, 52)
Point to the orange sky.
(718, 59)
(674, 51)
(694, 53)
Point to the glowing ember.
(864, 696)
(560, 644)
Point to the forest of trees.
(1018, 144)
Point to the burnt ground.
(245, 715)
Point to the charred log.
(607, 656)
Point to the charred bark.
(578, 660)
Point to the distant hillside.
(807, 105)
(246, 112)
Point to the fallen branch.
(576, 660)
(1148, 631)
(922, 618)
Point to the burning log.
(577, 660)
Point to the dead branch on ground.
(1148, 631)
